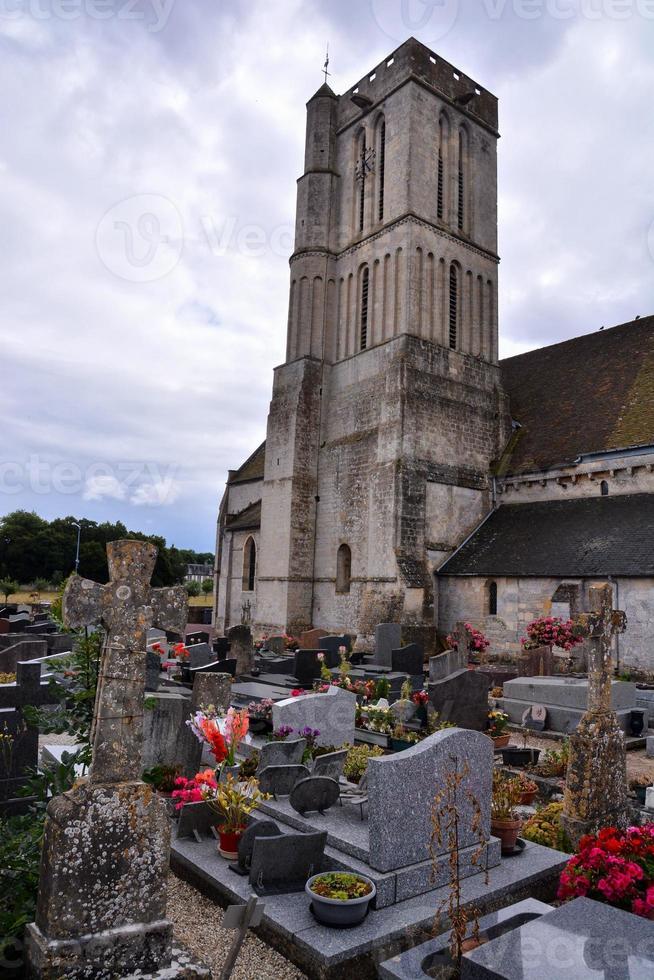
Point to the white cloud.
(103, 487)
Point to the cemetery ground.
(356, 809)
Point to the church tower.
(388, 413)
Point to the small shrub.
(546, 828)
(356, 761)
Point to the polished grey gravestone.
(258, 828)
(209, 690)
(444, 664)
(462, 699)
(106, 841)
(331, 713)
(582, 940)
(388, 637)
(226, 666)
(317, 793)
(566, 700)
(22, 650)
(280, 780)
(285, 863)
(306, 667)
(409, 660)
(287, 753)
(200, 655)
(27, 689)
(152, 670)
(401, 792)
(195, 820)
(241, 648)
(331, 764)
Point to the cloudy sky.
(148, 158)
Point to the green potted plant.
(505, 822)
(528, 789)
(382, 688)
(497, 724)
(356, 761)
(233, 804)
(340, 898)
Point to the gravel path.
(196, 921)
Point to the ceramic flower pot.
(228, 843)
(500, 741)
(507, 831)
(421, 714)
(528, 797)
(339, 912)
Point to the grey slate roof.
(591, 536)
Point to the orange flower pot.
(507, 831)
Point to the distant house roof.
(245, 520)
(591, 394)
(590, 536)
(252, 468)
(195, 569)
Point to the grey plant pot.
(333, 912)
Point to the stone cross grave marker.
(596, 781)
(106, 842)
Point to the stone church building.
(407, 474)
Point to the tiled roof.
(252, 468)
(591, 394)
(590, 536)
(247, 519)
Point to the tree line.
(33, 550)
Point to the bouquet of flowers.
(157, 648)
(616, 867)
(420, 698)
(551, 631)
(260, 710)
(222, 735)
(180, 651)
(478, 642)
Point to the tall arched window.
(343, 569)
(604, 488)
(381, 168)
(249, 565)
(492, 599)
(365, 289)
(441, 167)
(461, 181)
(454, 306)
(361, 180)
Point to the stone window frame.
(343, 569)
(249, 564)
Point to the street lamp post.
(79, 531)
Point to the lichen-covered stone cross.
(600, 625)
(126, 607)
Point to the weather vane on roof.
(326, 65)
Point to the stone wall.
(628, 473)
(519, 601)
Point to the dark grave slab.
(241, 648)
(462, 698)
(388, 637)
(271, 663)
(330, 644)
(306, 667)
(317, 793)
(200, 655)
(221, 647)
(280, 780)
(582, 940)
(23, 650)
(243, 693)
(288, 753)
(285, 863)
(331, 764)
(258, 828)
(310, 639)
(409, 660)
(216, 667)
(198, 636)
